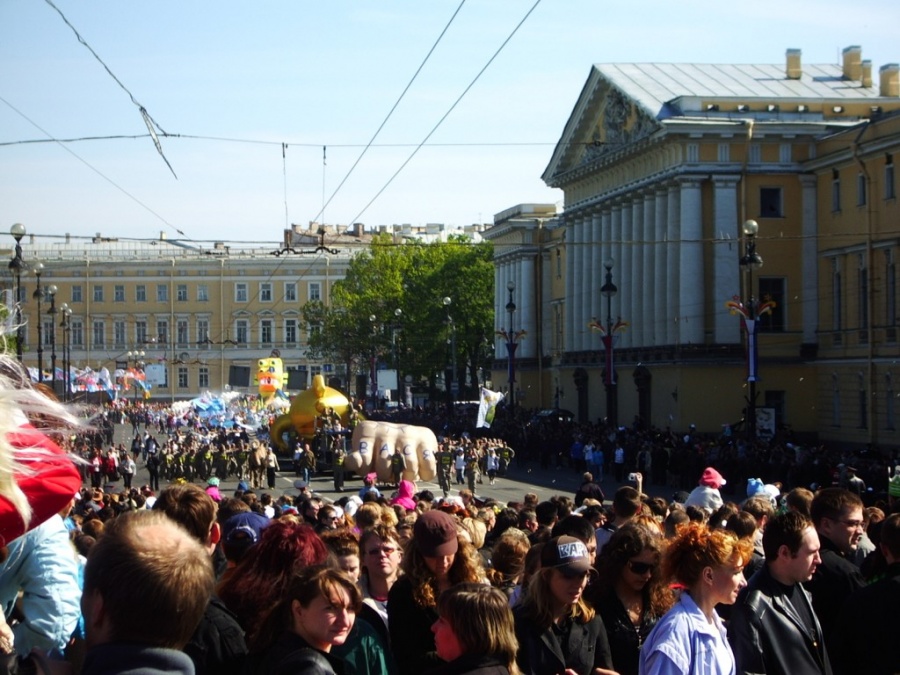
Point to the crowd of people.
(191, 578)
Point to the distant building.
(203, 314)
(660, 165)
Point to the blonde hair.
(466, 567)
(538, 601)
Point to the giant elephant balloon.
(373, 443)
(305, 407)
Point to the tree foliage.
(414, 278)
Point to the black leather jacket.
(767, 635)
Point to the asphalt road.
(511, 488)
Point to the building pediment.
(605, 120)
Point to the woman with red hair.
(260, 580)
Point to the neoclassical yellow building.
(660, 165)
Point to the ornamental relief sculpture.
(613, 132)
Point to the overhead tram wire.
(390, 113)
(450, 110)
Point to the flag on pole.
(487, 406)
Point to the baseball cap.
(247, 526)
(567, 554)
(435, 534)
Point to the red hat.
(46, 476)
(712, 478)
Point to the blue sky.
(326, 73)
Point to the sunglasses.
(641, 567)
(383, 550)
(573, 574)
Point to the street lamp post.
(608, 290)
(450, 376)
(750, 312)
(51, 292)
(16, 266)
(64, 324)
(511, 345)
(38, 295)
(398, 315)
(374, 363)
(137, 356)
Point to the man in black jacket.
(773, 627)
(838, 517)
(868, 622)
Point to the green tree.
(414, 278)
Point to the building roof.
(652, 85)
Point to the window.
(889, 414)
(203, 333)
(558, 264)
(240, 292)
(863, 403)
(140, 293)
(775, 399)
(314, 329)
(202, 293)
(770, 203)
(182, 332)
(890, 295)
(837, 309)
(140, 331)
(76, 334)
(47, 334)
(162, 293)
(861, 190)
(241, 331)
(119, 293)
(835, 190)
(315, 370)
(98, 293)
(181, 293)
(265, 331)
(290, 331)
(182, 377)
(290, 291)
(784, 153)
(119, 334)
(755, 153)
(98, 333)
(862, 312)
(773, 288)
(162, 331)
(315, 291)
(77, 294)
(835, 401)
(890, 190)
(203, 377)
(265, 292)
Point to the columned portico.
(690, 297)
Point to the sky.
(232, 83)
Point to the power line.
(390, 112)
(447, 114)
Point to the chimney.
(162, 235)
(867, 74)
(890, 80)
(358, 230)
(852, 62)
(793, 70)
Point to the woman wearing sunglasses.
(558, 631)
(690, 639)
(629, 593)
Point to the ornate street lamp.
(608, 290)
(450, 375)
(38, 295)
(51, 292)
(396, 328)
(17, 266)
(511, 345)
(750, 313)
(67, 354)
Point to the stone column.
(615, 254)
(673, 264)
(690, 297)
(622, 276)
(647, 286)
(527, 296)
(660, 269)
(809, 262)
(726, 258)
(569, 307)
(635, 283)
